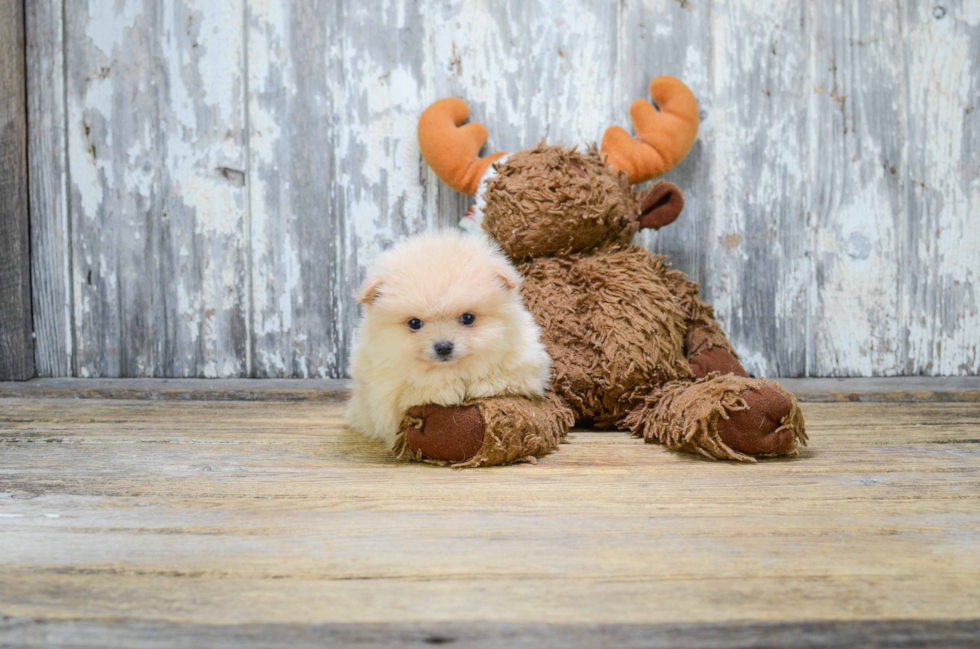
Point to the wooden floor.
(227, 523)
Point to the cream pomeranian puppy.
(443, 322)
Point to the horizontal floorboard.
(149, 523)
(84, 634)
(828, 390)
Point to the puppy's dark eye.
(414, 324)
(467, 319)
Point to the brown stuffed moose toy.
(633, 345)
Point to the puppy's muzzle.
(443, 350)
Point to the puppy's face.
(445, 309)
(452, 334)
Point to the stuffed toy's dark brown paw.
(484, 432)
(716, 359)
(758, 429)
(450, 433)
(726, 417)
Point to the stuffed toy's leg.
(726, 417)
(707, 347)
(485, 432)
(724, 414)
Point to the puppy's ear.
(507, 276)
(370, 290)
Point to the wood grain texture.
(528, 71)
(51, 241)
(943, 239)
(139, 512)
(110, 634)
(334, 390)
(758, 239)
(300, 284)
(828, 196)
(16, 344)
(156, 125)
(891, 389)
(675, 38)
(857, 204)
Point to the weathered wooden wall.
(16, 344)
(210, 178)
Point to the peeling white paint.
(758, 285)
(111, 22)
(856, 206)
(817, 256)
(153, 167)
(944, 318)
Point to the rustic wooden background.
(209, 178)
(16, 348)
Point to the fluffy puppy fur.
(443, 322)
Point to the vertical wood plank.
(383, 94)
(295, 69)
(758, 237)
(942, 273)
(857, 206)
(16, 346)
(50, 232)
(670, 37)
(528, 70)
(155, 95)
(336, 94)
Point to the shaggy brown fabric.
(703, 331)
(553, 200)
(616, 319)
(610, 323)
(702, 336)
(516, 429)
(684, 415)
(627, 335)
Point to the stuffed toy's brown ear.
(665, 135)
(660, 205)
(370, 290)
(451, 149)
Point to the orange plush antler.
(665, 136)
(451, 149)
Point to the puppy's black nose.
(443, 349)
